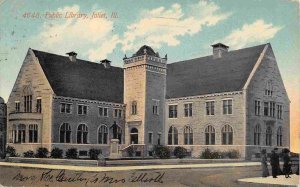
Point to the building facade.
(228, 100)
(2, 127)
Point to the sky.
(182, 29)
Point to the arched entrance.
(134, 136)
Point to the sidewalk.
(125, 168)
(281, 180)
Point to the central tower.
(144, 96)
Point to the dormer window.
(269, 88)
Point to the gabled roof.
(207, 75)
(82, 79)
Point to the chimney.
(106, 63)
(72, 56)
(219, 49)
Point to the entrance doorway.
(134, 136)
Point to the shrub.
(72, 153)
(57, 153)
(29, 154)
(180, 152)
(208, 154)
(233, 154)
(94, 153)
(11, 151)
(162, 152)
(41, 152)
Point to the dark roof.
(148, 49)
(207, 75)
(220, 45)
(82, 79)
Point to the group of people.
(274, 161)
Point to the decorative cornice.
(71, 99)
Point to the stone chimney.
(219, 49)
(105, 63)
(72, 56)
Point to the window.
(227, 106)
(155, 109)
(188, 110)
(173, 136)
(172, 111)
(257, 134)
(227, 135)
(117, 113)
(21, 133)
(279, 136)
(103, 111)
(188, 135)
(210, 135)
(39, 105)
(272, 109)
(269, 88)
(257, 108)
(269, 136)
(28, 103)
(102, 134)
(134, 108)
(158, 138)
(150, 137)
(65, 108)
(33, 133)
(14, 137)
(210, 108)
(266, 109)
(65, 133)
(279, 111)
(82, 134)
(17, 106)
(82, 110)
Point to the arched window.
(21, 133)
(33, 133)
(269, 88)
(227, 135)
(269, 136)
(102, 134)
(257, 134)
(279, 136)
(188, 135)
(27, 95)
(82, 134)
(65, 133)
(210, 135)
(173, 136)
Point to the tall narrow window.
(173, 136)
(257, 108)
(257, 134)
(266, 108)
(150, 137)
(210, 108)
(227, 135)
(155, 107)
(65, 133)
(21, 133)
(17, 106)
(188, 135)
(28, 103)
(227, 106)
(279, 111)
(172, 111)
(269, 136)
(188, 110)
(14, 137)
(82, 134)
(33, 133)
(210, 135)
(279, 136)
(39, 105)
(269, 88)
(134, 108)
(272, 109)
(102, 134)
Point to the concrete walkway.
(124, 168)
(281, 180)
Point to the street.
(214, 177)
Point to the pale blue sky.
(182, 29)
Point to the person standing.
(264, 164)
(286, 163)
(274, 161)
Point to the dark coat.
(274, 159)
